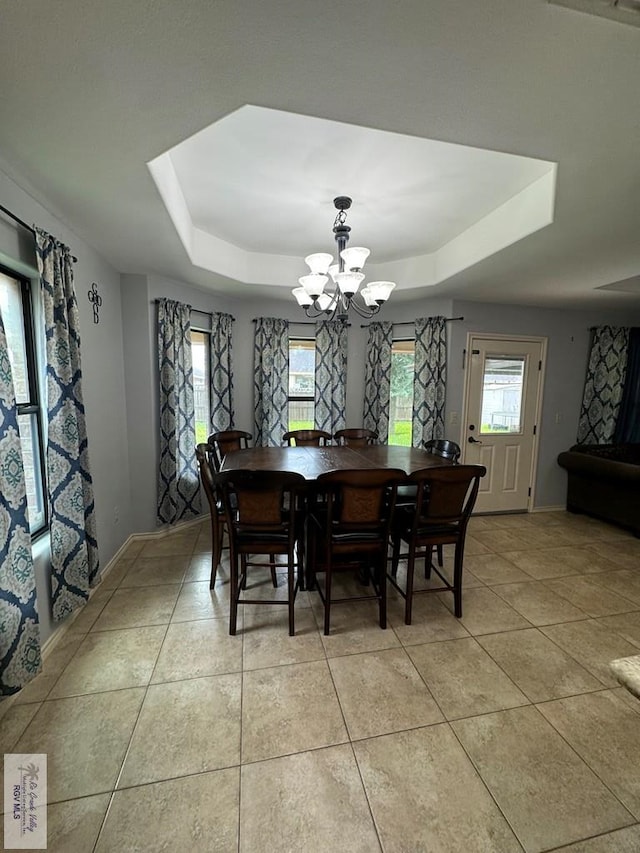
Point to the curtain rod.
(198, 311)
(28, 227)
(411, 322)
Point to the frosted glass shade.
(333, 270)
(354, 257)
(319, 262)
(302, 297)
(349, 282)
(369, 301)
(313, 284)
(380, 290)
(324, 301)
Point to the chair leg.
(395, 556)
(411, 559)
(440, 556)
(428, 563)
(457, 580)
(382, 589)
(327, 597)
(216, 548)
(291, 592)
(274, 577)
(235, 592)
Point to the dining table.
(311, 462)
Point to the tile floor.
(502, 731)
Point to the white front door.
(503, 396)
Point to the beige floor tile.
(281, 807)
(137, 607)
(199, 569)
(626, 624)
(519, 539)
(540, 669)
(587, 594)
(289, 709)
(430, 621)
(85, 738)
(516, 751)
(111, 660)
(152, 571)
(539, 604)
(354, 628)
(57, 658)
(494, 569)
(605, 732)
(134, 547)
(625, 553)
(415, 782)
(625, 582)
(197, 601)
(36, 690)
(510, 521)
(198, 648)
(75, 824)
(473, 546)
(174, 544)
(463, 679)
(13, 722)
(266, 640)
(87, 617)
(592, 645)
(185, 727)
(198, 814)
(113, 578)
(621, 841)
(558, 562)
(381, 692)
(484, 612)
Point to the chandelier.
(346, 276)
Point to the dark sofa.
(604, 481)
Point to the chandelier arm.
(364, 311)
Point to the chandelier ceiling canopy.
(346, 276)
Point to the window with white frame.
(302, 374)
(21, 321)
(200, 343)
(401, 394)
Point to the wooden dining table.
(311, 462)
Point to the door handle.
(473, 440)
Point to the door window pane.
(502, 394)
(14, 329)
(201, 384)
(401, 402)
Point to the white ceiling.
(90, 93)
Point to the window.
(19, 325)
(302, 372)
(502, 394)
(401, 402)
(200, 342)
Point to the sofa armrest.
(601, 469)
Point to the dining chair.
(205, 454)
(351, 531)
(307, 437)
(262, 517)
(356, 437)
(444, 502)
(227, 440)
(444, 447)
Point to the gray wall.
(103, 374)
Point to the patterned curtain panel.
(430, 379)
(603, 385)
(221, 370)
(271, 380)
(74, 546)
(331, 376)
(19, 629)
(377, 379)
(178, 483)
(628, 426)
